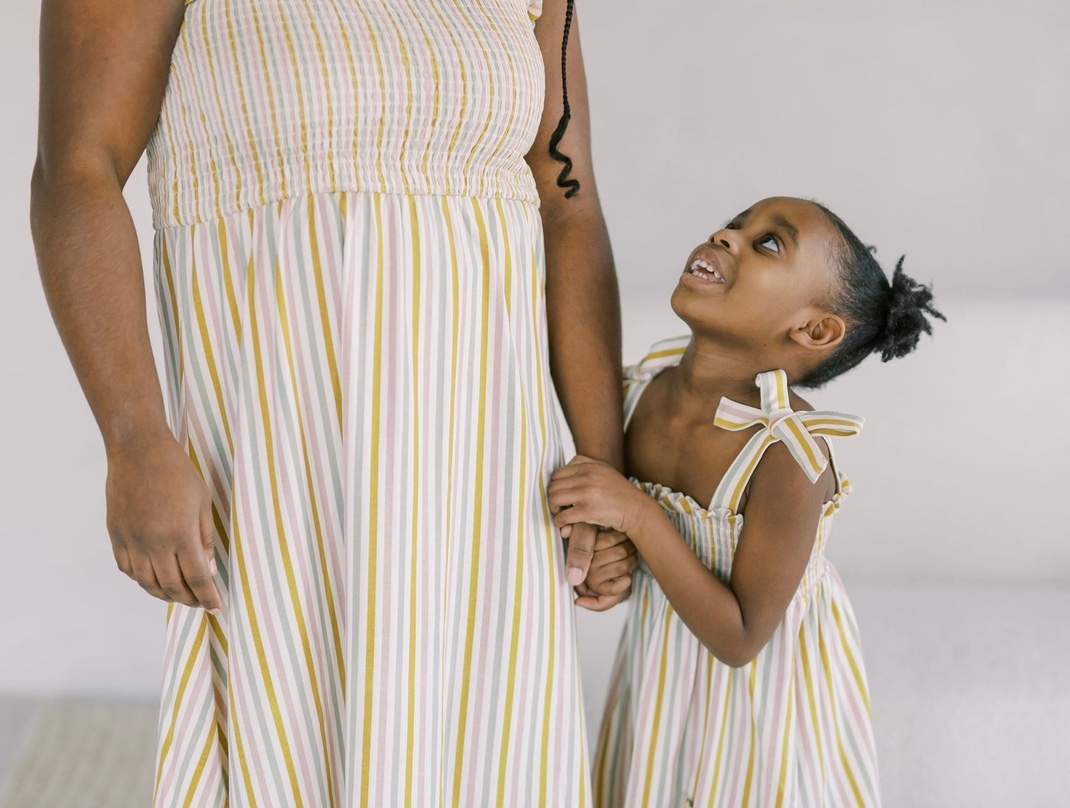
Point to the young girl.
(739, 681)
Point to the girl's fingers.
(610, 555)
(603, 579)
(607, 599)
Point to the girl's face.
(767, 272)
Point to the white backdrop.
(934, 127)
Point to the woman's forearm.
(91, 270)
(583, 313)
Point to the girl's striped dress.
(792, 728)
(350, 273)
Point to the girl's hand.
(594, 492)
(609, 580)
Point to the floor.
(66, 753)
(970, 686)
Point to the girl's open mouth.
(701, 268)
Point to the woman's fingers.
(172, 581)
(200, 580)
(145, 575)
(580, 552)
(610, 597)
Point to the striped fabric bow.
(795, 429)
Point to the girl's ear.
(822, 332)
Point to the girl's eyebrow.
(787, 227)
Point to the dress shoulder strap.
(779, 423)
(636, 377)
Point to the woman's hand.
(160, 521)
(609, 580)
(594, 492)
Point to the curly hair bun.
(910, 305)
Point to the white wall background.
(936, 128)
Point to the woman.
(368, 599)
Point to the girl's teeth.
(703, 269)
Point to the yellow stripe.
(789, 725)
(328, 97)
(780, 379)
(214, 71)
(856, 672)
(658, 704)
(228, 278)
(537, 298)
(753, 734)
(213, 622)
(213, 168)
(378, 150)
(332, 364)
(477, 503)
(731, 424)
(803, 444)
(455, 329)
(265, 63)
(246, 116)
(745, 474)
(176, 322)
(191, 660)
(243, 761)
(805, 655)
(297, 87)
(414, 567)
(195, 780)
(209, 357)
(291, 580)
(835, 720)
(704, 738)
(518, 580)
(373, 513)
(662, 354)
(817, 420)
(257, 639)
(720, 741)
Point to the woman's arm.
(582, 300)
(734, 620)
(104, 67)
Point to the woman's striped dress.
(790, 729)
(350, 273)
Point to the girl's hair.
(881, 317)
(563, 179)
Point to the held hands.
(592, 492)
(160, 521)
(611, 555)
(609, 579)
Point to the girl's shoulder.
(662, 355)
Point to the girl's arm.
(104, 66)
(582, 302)
(733, 620)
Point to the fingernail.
(213, 567)
(574, 575)
(215, 612)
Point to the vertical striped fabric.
(355, 338)
(791, 729)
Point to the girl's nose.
(724, 238)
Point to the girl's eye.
(770, 243)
